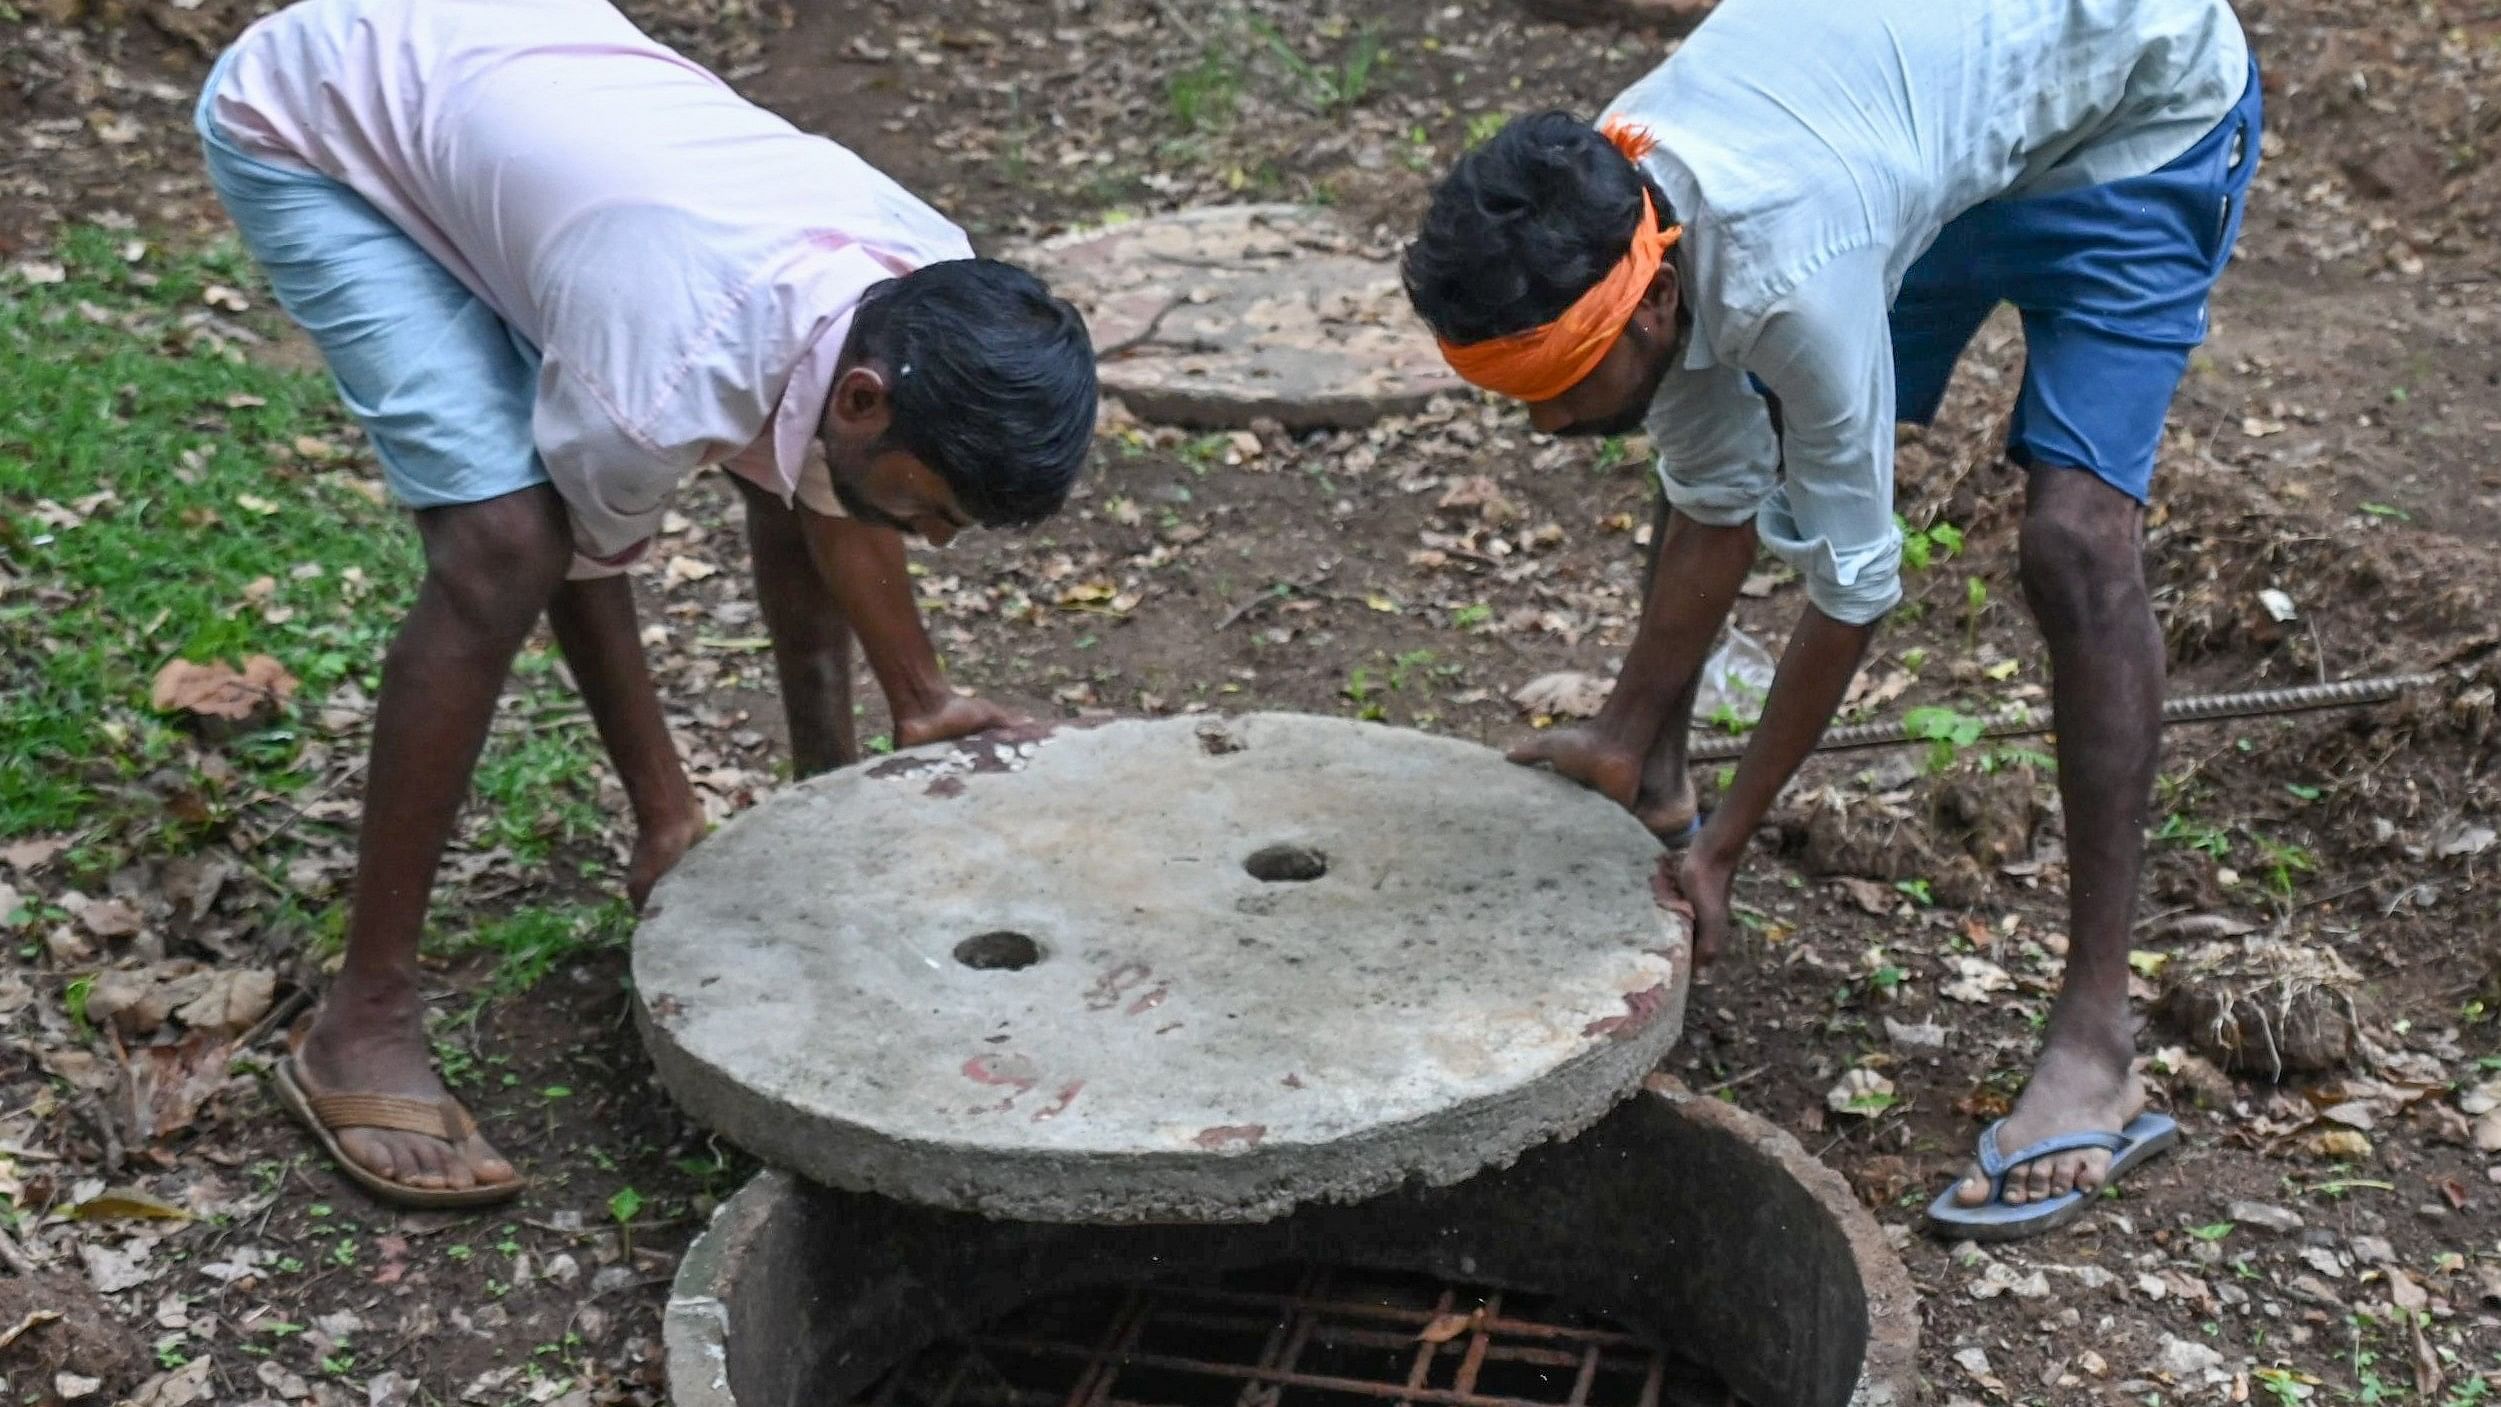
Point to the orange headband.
(1544, 362)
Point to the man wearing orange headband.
(1768, 251)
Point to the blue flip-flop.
(2146, 1136)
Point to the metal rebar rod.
(2194, 708)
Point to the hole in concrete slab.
(1287, 864)
(1001, 951)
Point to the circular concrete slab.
(1173, 970)
(1227, 314)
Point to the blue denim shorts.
(2112, 283)
(444, 387)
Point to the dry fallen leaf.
(34, 1319)
(33, 854)
(165, 1085)
(685, 569)
(134, 1003)
(113, 1270)
(2342, 1145)
(128, 1204)
(217, 691)
(1975, 979)
(109, 918)
(1870, 896)
(1563, 694)
(1446, 1327)
(180, 1388)
(234, 1000)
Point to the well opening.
(1704, 1254)
(1301, 1334)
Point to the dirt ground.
(2329, 508)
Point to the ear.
(1664, 297)
(858, 404)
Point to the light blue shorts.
(443, 386)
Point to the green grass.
(110, 394)
(150, 475)
(1205, 95)
(529, 944)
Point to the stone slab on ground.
(1039, 975)
(1223, 315)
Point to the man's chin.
(1625, 424)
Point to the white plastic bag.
(1735, 680)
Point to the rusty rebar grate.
(1300, 1336)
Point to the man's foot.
(1592, 758)
(379, 1047)
(1666, 804)
(2072, 1090)
(956, 718)
(657, 849)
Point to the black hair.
(991, 383)
(1522, 227)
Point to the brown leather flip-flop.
(328, 1115)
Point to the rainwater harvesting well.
(1261, 1061)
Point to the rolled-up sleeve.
(1718, 461)
(1826, 351)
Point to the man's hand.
(1701, 883)
(953, 718)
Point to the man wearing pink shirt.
(556, 269)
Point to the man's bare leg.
(2084, 576)
(594, 625)
(1633, 752)
(490, 570)
(812, 642)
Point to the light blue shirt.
(1814, 149)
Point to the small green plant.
(1998, 759)
(1471, 617)
(1207, 93)
(1728, 718)
(2190, 833)
(2283, 864)
(2214, 1231)
(74, 1001)
(1205, 452)
(1335, 86)
(1919, 890)
(1925, 547)
(1975, 601)
(624, 1207)
(1483, 126)
(1611, 453)
(1946, 731)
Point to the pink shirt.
(686, 262)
